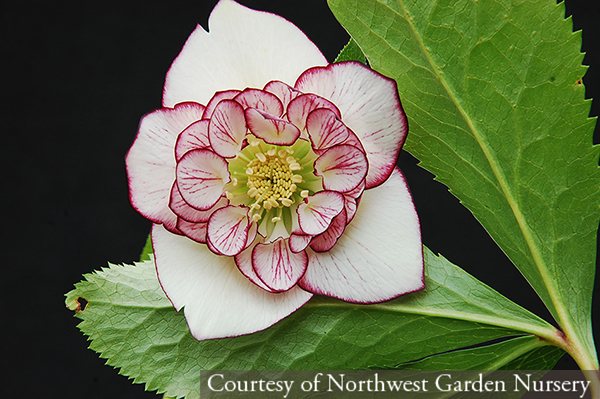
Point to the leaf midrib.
(562, 314)
(548, 333)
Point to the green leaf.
(543, 358)
(496, 108)
(132, 324)
(351, 52)
(517, 353)
(148, 250)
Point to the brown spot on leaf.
(81, 304)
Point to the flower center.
(272, 181)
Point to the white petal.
(245, 48)
(316, 213)
(369, 105)
(201, 177)
(151, 161)
(219, 301)
(379, 256)
(277, 266)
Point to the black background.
(77, 78)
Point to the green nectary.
(272, 180)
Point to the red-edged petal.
(151, 162)
(351, 200)
(201, 177)
(189, 213)
(243, 260)
(298, 242)
(195, 231)
(354, 141)
(277, 266)
(245, 48)
(252, 233)
(194, 137)
(326, 240)
(342, 168)
(216, 99)
(316, 213)
(300, 107)
(380, 254)
(284, 92)
(325, 129)
(227, 128)
(370, 106)
(261, 100)
(210, 287)
(271, 129)
(228, 230)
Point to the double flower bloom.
(263, 193)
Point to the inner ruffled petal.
(228, 230)
(325, 129)
(227, 128)
(201, 177)
(194, 137)
(261, 100)
(299, 108)
(316, 213)
(277, 266)
(342, 167)
(271, 129)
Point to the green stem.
(587, 362)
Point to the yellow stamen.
(286, 201)
(261, 157)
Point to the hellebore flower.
(269, 176)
